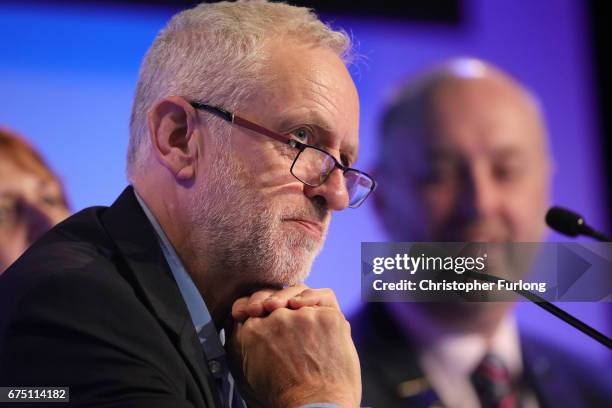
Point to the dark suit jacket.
(389, 364)
(93, 306)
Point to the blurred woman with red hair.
(32, 197)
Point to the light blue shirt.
(200, 316)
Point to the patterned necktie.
(493, 384)
(229, 392)
(212, 343)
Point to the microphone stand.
(549, 307)
(599, 236)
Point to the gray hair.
(217, 53)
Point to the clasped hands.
(293, 347)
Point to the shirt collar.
(448, 358)
(195, 304)
(211, 340)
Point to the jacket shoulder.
(69, 314)
(561, 375)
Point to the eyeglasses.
(312, 165)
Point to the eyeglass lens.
(312, 167)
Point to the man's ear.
(172, 129)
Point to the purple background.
(67, 76)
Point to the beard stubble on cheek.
(237, 231)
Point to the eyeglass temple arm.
(259, 129)
(230, 117)
(222, 113)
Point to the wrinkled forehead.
(313, 82)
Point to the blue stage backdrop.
(67, 76)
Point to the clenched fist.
(294, 348)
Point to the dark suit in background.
(392, 378)
(465, 157)
(94, 306)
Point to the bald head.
(417, 106)
(464, 158)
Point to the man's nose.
(333, 191)
(479, 196)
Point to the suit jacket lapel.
(391, 373)
(150, 274)
(546, 375)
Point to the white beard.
(236, 232)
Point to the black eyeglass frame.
(247, 124)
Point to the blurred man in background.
(32, 197)
(464, 157)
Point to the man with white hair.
(464, 158)
(242, 137)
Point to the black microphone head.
(565, 221)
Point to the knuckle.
(251, 325)
(328, 292)
(304, 316)
(239, 304)
(254, 304)
(308, 292)
(279, 314)
(260, 295)
(330, 317)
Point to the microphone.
(569, 223)
(572, 224)
(549, 307)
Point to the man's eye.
(302, 134)
(508, 173)
(440, 173)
